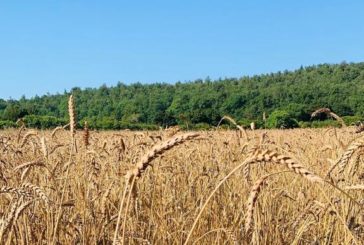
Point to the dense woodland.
(290, 95)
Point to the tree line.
(286, 98)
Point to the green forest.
(287, 99)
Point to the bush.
(351, 120)
(244, 122)
(7, 124)
(281, 119)
(107, 123)
(201, 126)
(43, 122)
(137, 126)
(325, 124)
(320, 124)
(302, 124)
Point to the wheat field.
(168, 187)
(301, 186)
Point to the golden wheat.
(328, 112)
(195, 193)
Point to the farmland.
(171, 187)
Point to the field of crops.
(169, 187)
(65, 186)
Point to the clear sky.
(50, 46)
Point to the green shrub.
(43, 122)
(325, 124)
(201, 126)
(281, 119)
(244, 122)
(302, 124)
(351, 120)
(7, 124)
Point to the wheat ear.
(16, 210)
(26, 137)
(345, 157)
(241, 129)
(86, 135)
(72, 116)
(142, 165)
(275, 157)
(19, 132)
(38, 191)
(37, 162)
(253, 196)
(328, 112)
(157, 150)
(53, 134)
(354, 187)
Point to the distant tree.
(204, 102)
(281, 119)
(12, 112)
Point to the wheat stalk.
(241, 129)
(86, 135)
(72, 115)
(26, 137)
(275, 157)
(328, 112)
(142, 165)
(354, 187)
(44, 147)
(345, 157)
(38, 191)
(16, 210)
(18, 191)
(37, 162)
(72, 123)
(19, 132)
(57, 129)
(253, 196)
(157, 150)
(359, 128)
(259, 156)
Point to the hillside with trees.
(201, 103)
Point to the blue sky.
(50, 46)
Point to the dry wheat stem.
(16, 210)
(59, 128)
(19, 132)
(86, 135)
(328, 112)
(339, 216)
(212, 194)
(228, 234)
(275, 157)
(157, 150)
(26, 137)
(267, 156)
(120, 211)
(37, 162)
(72, 115)
(73, 123)
(354, 187)
(41, 193)
(253, 196)
(241, 129)
(127, 208)
(345, 193)
(345, 157)
(141, 167)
